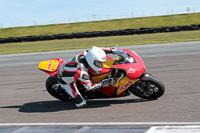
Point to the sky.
(19, 13)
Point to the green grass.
(53, 45)
(158, 21)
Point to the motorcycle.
(128, 69)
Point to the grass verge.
(116, 24)
(66, 44)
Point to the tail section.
(51, 66)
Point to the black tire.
(52, 82)
(153, 83)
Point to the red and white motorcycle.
(128, 70)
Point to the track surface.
(23, 98)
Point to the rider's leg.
(74, 93)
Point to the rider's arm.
(82, 76)
(89, 85)
(108, 50)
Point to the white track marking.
(18, 130)
(174, 129)
(83, 129)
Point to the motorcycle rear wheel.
(54, 89)
(150, 88)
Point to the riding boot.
(74, 93)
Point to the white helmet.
(95, 57)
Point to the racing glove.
(104, 82)
(113, 50)
(108, 81)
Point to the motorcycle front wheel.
(150, 88)
(55, 90)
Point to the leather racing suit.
(76, 68)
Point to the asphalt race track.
(23, 98)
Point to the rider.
(76, 69)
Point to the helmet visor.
(98, 64)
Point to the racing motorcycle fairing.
(132, 63)
(124, 84)
(51, 66)
(99, 78)
(108, 90)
